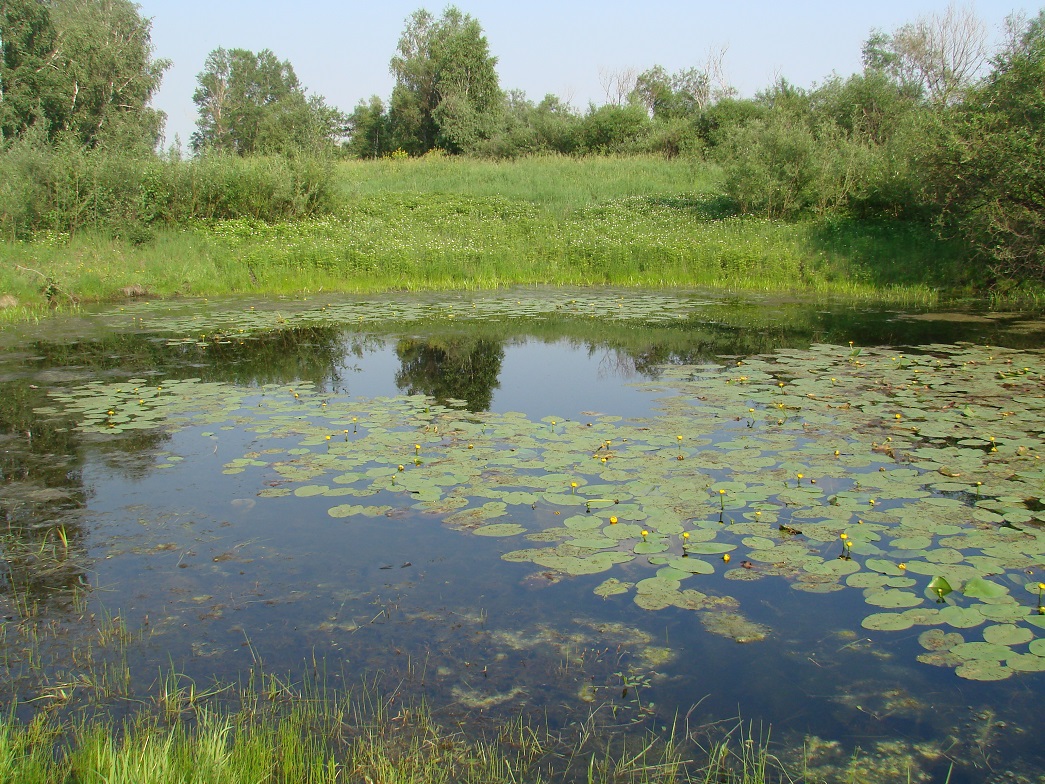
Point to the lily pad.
(611, 587)
(979, 588)
(887, 622)
(892, 597)
(499, 529)
(939, 640)
(983, 670)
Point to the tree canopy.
(447, 93)
(253, 103)
(985, 165)
(938, 56)
(82, 69)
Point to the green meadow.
(440, 222)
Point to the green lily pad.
(979, 588)
(1004, 612)
(1026, 662)
(890, 622)
(346, 510)
(983, 670)
(1007, 634)
(892, 597)
(982, 650)
(306, 491)
(883, 566)
(499, 529)
(709, 548)
(939, 640)
(650, 546)
(692, 565)
(961, 617)
(611, 587)
(941, 659)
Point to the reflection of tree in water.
(705, 343)
(461, 367)
(277, 356)
(742, 329)
(42, 559)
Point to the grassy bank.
(453, 223)
(310, 739)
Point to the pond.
(637, 510)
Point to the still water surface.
(211, 576)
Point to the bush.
(66, 187)
(767, 166)
(614, 129)
(671, 138)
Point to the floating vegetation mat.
(912, 478)
(188, 324)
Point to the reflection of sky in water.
(536, 378)
(558, 379)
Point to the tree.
(84, 68)
(253, 103)
(27, 76)
(685, 92)
(368, 130)
(617, 85)
(867, 105)
(938, 56)
(551, 126)
(447, 92)
(556, 125)
(985, 169)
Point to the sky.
(341, 49)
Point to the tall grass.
(69, 189)
(441, 223)
(435, 241)
(308, 740)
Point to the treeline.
(937, 128)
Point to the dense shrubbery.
(67, 187)
(842, 148)
(985, 162)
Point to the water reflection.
(42, 496)
(450, 367)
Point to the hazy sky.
(341, 50)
